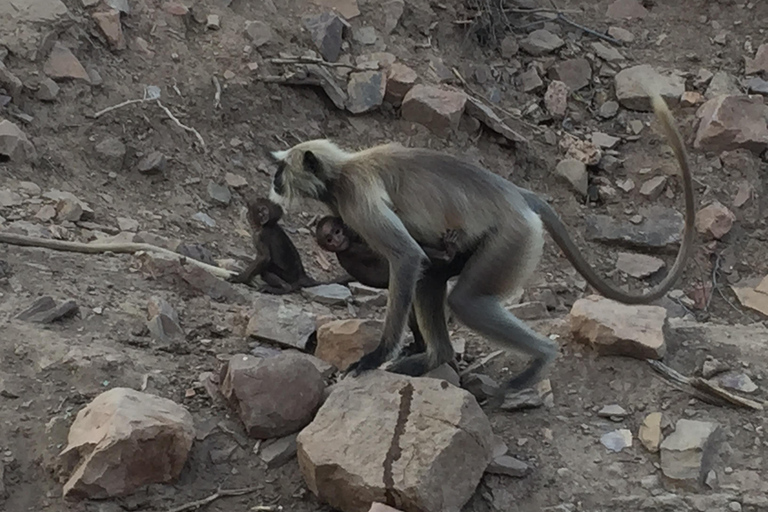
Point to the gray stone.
(153, 163)
(276, 321)
(205, 219)
(45, 310)
(617, 440)
(574, 172)
(365, 36)
(531, 398)
(365, 91)
(630, 85)
(14, 144)
(508, 466)
(637, 265)
(556, 98)
(279, 451)
(722, 83)
(760, 63)
(10, 82)
(608, 109)
(327, 30)
(329, 294)
(112, 151)
(607, 53)
(575, 73)
(48, 90)
(259, 33)
(540, 42)
(480, 385)
(530, 80)
(757, 85)
(219, 194)
(737, 381)
(613, 411)
(687, 454)
(659, 229)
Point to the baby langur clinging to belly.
(398, 199)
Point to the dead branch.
(320, 62)
(182, 126)
(220, 493)
(702, 389)
(119, 105)
(568, 21)
(316, 76)
(98, 248)
(479, 364)
(217, 95)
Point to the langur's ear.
(311, 163)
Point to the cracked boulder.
(124, 440)
(396, 440)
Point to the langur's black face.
(332, 236)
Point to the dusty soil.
(52, 371)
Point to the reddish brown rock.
(619, 329)
(273, 397)
(715, 221)
(109, 23)
(400, 80)
(342, 342)
(436, 108)
(760, 63)
(124, 440)
(347, 458)
(175, 8)
(63, 64)
(732, 122)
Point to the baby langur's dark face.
(332, 237)
(263, 215)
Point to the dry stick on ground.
(165, 109)
(220, 493)
(98, 248)
(312, 60)
(217, 95)
(478, 364)
(702, 389)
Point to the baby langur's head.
(263, 212)
(305, 170)
(331, 234)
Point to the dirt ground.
(47, 373)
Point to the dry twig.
(183, 126)
(479, 364)
(312, 60)
(220, 493)
(702, 389)
(217, 94)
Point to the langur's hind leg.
(497, 269)
(429, 305)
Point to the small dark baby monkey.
(277, 261)
(372, 269)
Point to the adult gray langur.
(399, 198)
